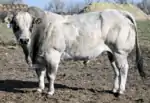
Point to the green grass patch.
(144, 34)
(144, 29)
(6, 36)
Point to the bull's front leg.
(53, 59)
(27, 55)
(41, 74)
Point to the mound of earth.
(137, 13)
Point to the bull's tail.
(139, 58)
(129, 16)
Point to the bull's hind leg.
(53, 59)
(122, 64)
(116, 71)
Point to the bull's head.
(22, 24)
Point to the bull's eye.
(15, 26)
(31, 28)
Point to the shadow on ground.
(17, 86)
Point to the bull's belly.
(66, 56)
(82, 54)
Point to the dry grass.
(139, 14)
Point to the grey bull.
(78, 37)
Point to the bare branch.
(11, 1)
(55, 6)
(88, 2)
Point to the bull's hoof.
(115, 90)
(121, 92)
(85, 62)
(39, 90)
(116, 94)
(50, 93)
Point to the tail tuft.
(140, 67)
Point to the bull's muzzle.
(23, 40)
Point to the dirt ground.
(75, 83)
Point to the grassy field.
(144, 28)
(6, 35)
(74, 82)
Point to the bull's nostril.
(27, 40)
(21, 41)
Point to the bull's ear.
(37, 20)
(9, 17)
(8, 21)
